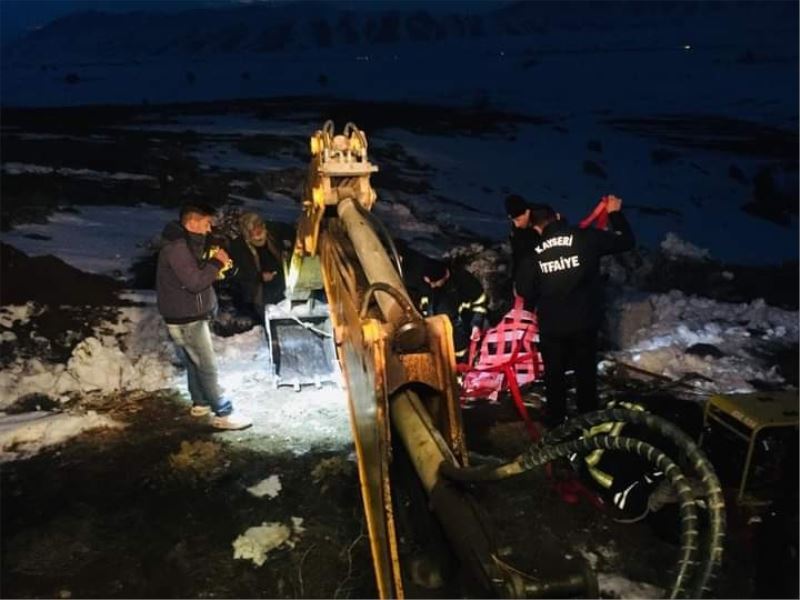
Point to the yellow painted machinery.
(399, 372)
(398, 367)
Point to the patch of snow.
(135, 353)
(21, 312)
(137, 358)
(737, 330)
(16, 168)
(23, 435)
(674, 247)
(683, 336)
(99, 239)
(591, 557)
(399, 216)
(271, 486)
(257, 542)
(225, 157)
(614, 585)
(297, 525)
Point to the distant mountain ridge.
(299, 26)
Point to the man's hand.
(267, 276)
(221, 256)
(613, 204)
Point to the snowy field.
(134, 353)
(677, 113)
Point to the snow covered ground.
(735, 332)
(108, 239)
(134, 353)
(682, 201)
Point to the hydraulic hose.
(380, 286)
(539, 455)
(695, 457)
(410, 333)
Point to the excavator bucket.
(300, 344)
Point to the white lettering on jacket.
(561, 240)
(565, 262)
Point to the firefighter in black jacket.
(561, 275)
(439, 288)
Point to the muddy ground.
(116, 514)
(136, 513)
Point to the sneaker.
(231, 422)
(200, 410)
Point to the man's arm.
(526, 280)
(192, 276)
(619, 236)
(471, 297)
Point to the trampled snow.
(137, 355)
(24, 435)
(737, 330)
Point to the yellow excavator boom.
(398, 367)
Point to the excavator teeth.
(300, 346)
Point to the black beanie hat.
(434, 269)
(515, 205)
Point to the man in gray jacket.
(186, 300)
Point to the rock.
(705, 350)
(626, 318)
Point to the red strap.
(599, 214)
(473, 351)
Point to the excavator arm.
(398, 367)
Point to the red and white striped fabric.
(508, 358)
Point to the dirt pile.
(49, 280)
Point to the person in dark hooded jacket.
(437, 287)
(259, 278)
(561, 276)
(186, 301)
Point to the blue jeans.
(193, 344)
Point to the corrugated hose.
(553, 446)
